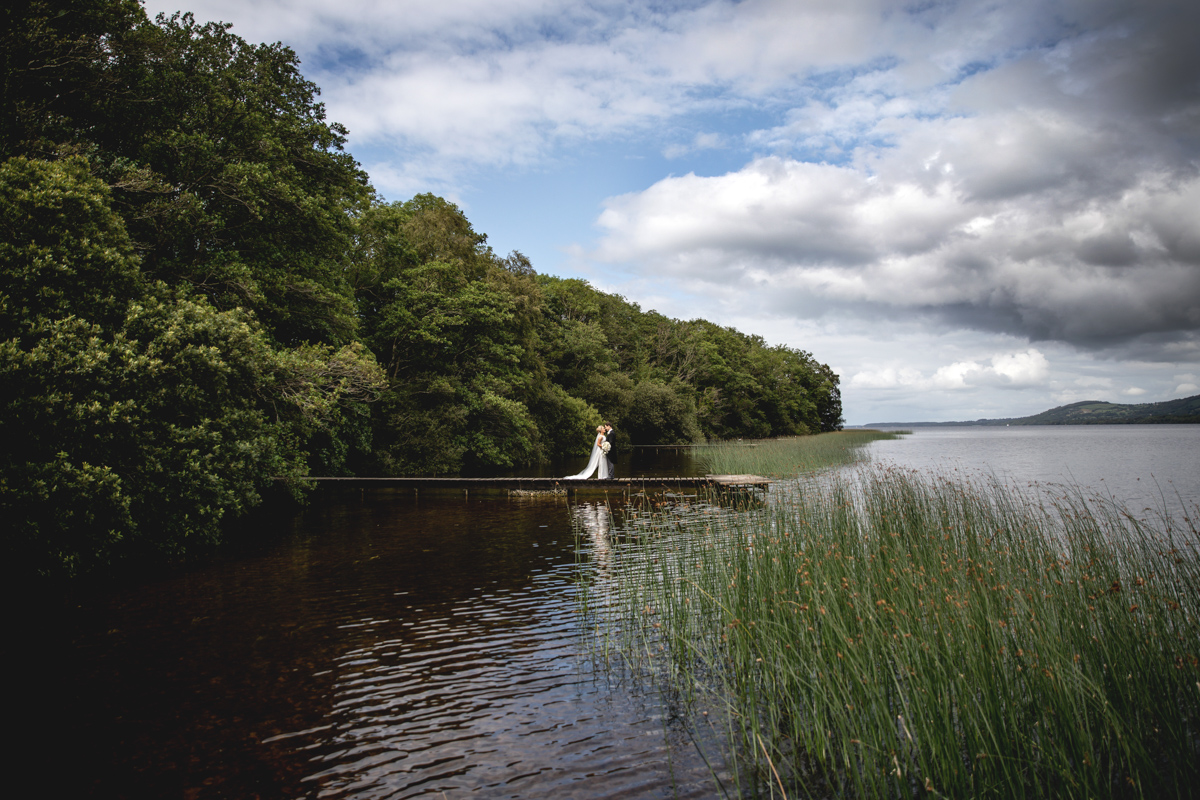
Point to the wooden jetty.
(727, 482)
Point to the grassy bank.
(789, 456)
(890, 634)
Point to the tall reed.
(790, 455)
(893, 634)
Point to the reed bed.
(789, 456)
(883, 633)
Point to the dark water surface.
(381, 645)
(385, 646)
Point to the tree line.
(202, 293)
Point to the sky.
(967, 209)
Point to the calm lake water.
(378, 645)
(1145, 467)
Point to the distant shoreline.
(1087, 412)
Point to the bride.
(597, 460)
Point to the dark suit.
(612, 469)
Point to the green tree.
(61, 244)
(574, 346)
(136, 419)
(661, 414)
(566, 424)
(69, 65)
(201, 293)
(227, 176)
(454, 329)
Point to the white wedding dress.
(596, 462)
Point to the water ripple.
(389, 650)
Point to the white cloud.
(818, 236)
(1060, 200)
(1008, 370)
(477, 80)
(1021, 369)
(1010, 175)
(701, 141)
(1188, 385)
(887, 378)
(1067, 396)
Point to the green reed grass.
(791, 455)
(890, 634)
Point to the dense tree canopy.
(136, 416)
(201, 294)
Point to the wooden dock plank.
(547, 484)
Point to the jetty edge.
(549, 484)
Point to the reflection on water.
(377, 646)
(388, 647)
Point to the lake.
(1145, 467)
(381, 645)
(385, 647)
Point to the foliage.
(145, 437)
(135, 418)
(67, 62)
(201, 293)
(567, 424)
(492, 365)
(70, 245)
(702, 380)
(260, 188)
(221, 164)
(454, 330)
(661, 413)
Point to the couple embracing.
(599, 460)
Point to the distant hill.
(1088, 412)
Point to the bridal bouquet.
(604, 448)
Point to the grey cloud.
(1029, 167)
(1057, 200)
(1176, 225)
(1045, 266)
(1108, 249)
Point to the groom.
(608, 430)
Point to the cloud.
(1020, 369)
(446, 88)
(888, 378)
(508, 81)
(1028, 169)
(1188, 384)
(701, 141)
(1051, 194)
(817, 238)
(1006, 370)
